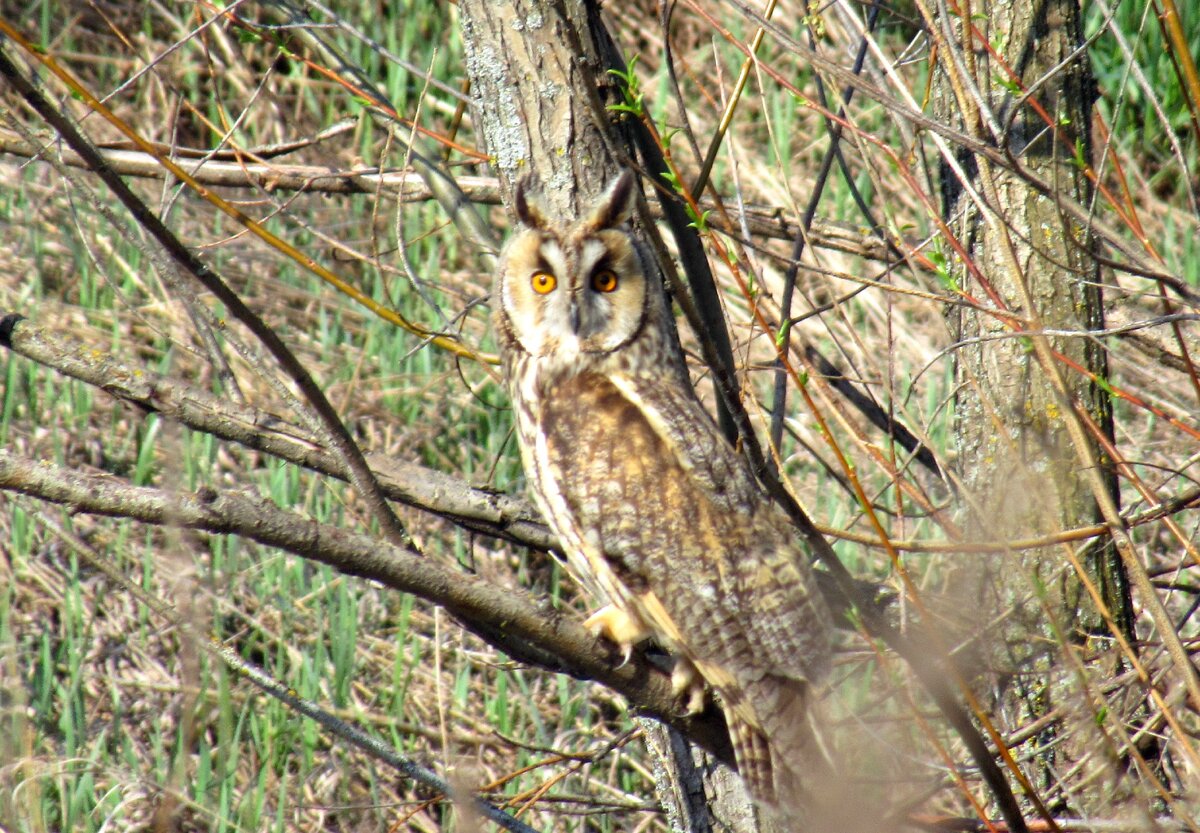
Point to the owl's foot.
(619, 627)
(686, 678)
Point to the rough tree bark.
(1023, 474)
(539, 90)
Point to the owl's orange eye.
(604, 281)
(543, 283)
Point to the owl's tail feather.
(753, 755)
(799, 761)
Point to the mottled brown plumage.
(660, 519)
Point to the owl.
(660, 519)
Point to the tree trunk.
(539, 89)
(1023, 475)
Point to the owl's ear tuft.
(525, 204)
(616, 204)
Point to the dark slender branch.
(868, 408)
(710, 326)
(359, 473)
(778, 406)
(666, 9)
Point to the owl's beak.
(573, 314)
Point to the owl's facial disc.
(569, 297)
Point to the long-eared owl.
(660, 519)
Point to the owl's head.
(573, 290)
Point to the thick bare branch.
(505, 617)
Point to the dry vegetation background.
(116, 714)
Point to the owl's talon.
(618, 627)
(685, 677)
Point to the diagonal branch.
(479, 510)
